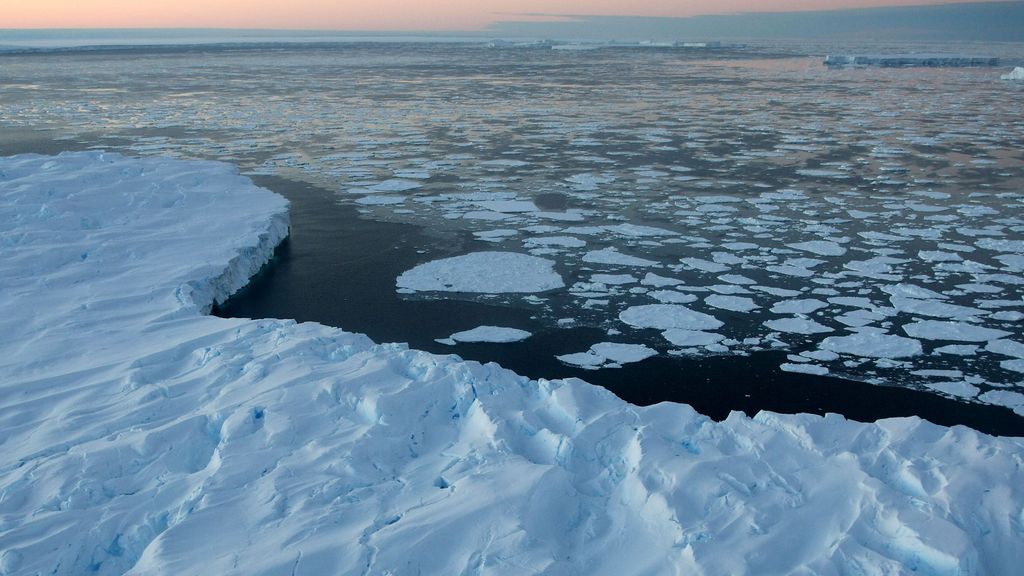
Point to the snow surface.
(141, 436)
(483, 272)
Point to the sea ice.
(483, 272)
(1006, 348)
(813, 369)
(652, 279)
(672, 297)
(956, 331)
(797, 325)
(615, 258)
(495, 334)
(872, 345)
(690, 338)
(820, 247)
(396, 185)
(667, 316)
(1016, 74)
(608, 355)
(803, 306)
(733, 303)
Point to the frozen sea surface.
(742, 180)
(142, 436)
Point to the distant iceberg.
(908, 61)
(1017, 75)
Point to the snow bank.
(140, 436)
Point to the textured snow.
(141, 436)
(483, 272)
(496, 334)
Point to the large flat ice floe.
(483, 272)
(142, 436)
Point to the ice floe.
(957, 331)
(872, 345)
(483, 272)
(667, 316)
(494, 334)
(608, 355)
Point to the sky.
(378, 15)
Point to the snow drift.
(141, 436)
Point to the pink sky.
(371, 15)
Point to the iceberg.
(1016, 74)
(142, 436)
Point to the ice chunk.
(872, 345)
(651, 279)
(672, 297)
(813, 369)
(395, 185)
(704, 265)
(956, 331)
(1017, 74)
(797, 325)
(495, 334)
(733, 303)
(667, 316)
(483, 272)
(623, 353)
(555, 241)
(690, 338)
(614, 257)
(933, 308)
(803, 306)
(608, 355)
(820, 247)
(1006, 348)
(955, 388)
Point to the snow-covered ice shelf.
(142, 436)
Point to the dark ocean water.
(339, 269)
